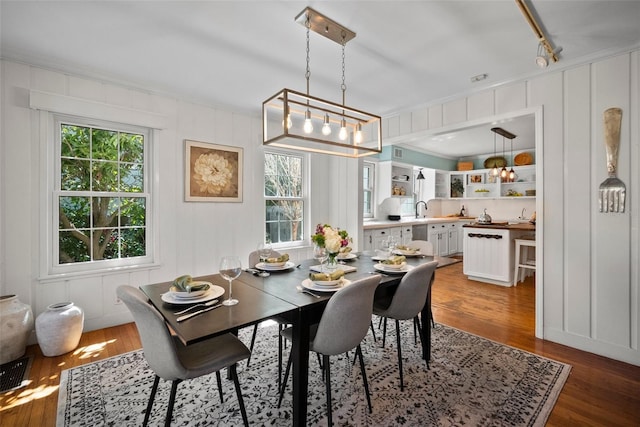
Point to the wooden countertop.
(504, 226)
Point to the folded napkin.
(187, 284)
(324, 277)
(346, 250)
(281, 258)
(395, 260)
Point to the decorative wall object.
(16, 324)
(59, 328)
(213, 173)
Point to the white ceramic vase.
(16, 324)
(59, 328)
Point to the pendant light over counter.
(299, 121)
(505, 176)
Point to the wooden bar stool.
(523, 261)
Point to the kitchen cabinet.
(480, 183)
(439, 238)
(395, 180)
(375, 238)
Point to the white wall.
(193, 236)
(589, 279)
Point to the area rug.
(471, 381)
(14, 374)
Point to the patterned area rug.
(472, 381)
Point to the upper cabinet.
(395, 180)
(481, 184)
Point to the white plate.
(385, 268)
(307, 283)
(326, 283)
(286, 266)
(213, 292)
(379, 258)
(407, 253)
(347, 256)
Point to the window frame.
(50, 266)
(304, 198)
(371, 166)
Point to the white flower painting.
(213, 172)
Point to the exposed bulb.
(308, 126)
(358, 135)
(503, 172)
(494, 171)
(343, 134)
(326, 128)
(289, 123)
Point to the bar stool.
(524, 262)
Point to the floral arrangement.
(332, 239)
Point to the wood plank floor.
(599, 391)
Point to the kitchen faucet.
(425, 206)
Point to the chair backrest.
(425, 248)
(411, 293)
(158, 345)
(254, 257)
(346, 318)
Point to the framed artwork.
(476, 179)
(213, 173)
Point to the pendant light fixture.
(504, 174)
(512, 173)
(360, 133)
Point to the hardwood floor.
(599, 391)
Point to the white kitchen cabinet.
(439, 238)
(396, 176)
(376, 237)
(454, 230)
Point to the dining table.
(279, 295)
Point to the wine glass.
(320, 253)
(230, 268)
(264, 250)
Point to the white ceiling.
(235, 54)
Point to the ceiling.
(236, 54)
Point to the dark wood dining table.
(262, 298)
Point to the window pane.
(284, 220)
(104, 176)
(131, 178)
(75, 212)
(131, 148)
(74, 141)
(133, 212)
(133, 242)
(75, 175)
(72, 248)
(104, 144)
(107, 244)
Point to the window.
(368, 187)
(101, 197)
(284, 193)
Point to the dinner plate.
(407, 253)
(379, 258)
(326, 283)
(347, 256)
(308, 283)
(286, 266)
(214, 292)
(386, 269)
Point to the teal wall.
(419, 159)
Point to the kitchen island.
(489, 250)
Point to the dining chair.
(173, 361)
(407, 302)
(425, 247)
(342, 327)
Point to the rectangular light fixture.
(354, 133)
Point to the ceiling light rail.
(299, 121)
(543, 41)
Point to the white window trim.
(306, 186)
(48, 157)
(372, 180)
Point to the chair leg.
(172, 399)
(219, 381)
(280, 327)
(399, 354)
(421, 335)
(417, 330)
(373, 332)
(384, 332)
(284, 380)
(364, 376)
(236, 383)
(154, 388)
(253, 341)
(327, 369)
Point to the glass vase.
(332, 263)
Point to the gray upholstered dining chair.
(407, 301)
(173, 361)
(343, 325)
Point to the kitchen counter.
(525, 226)
(384, 223)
